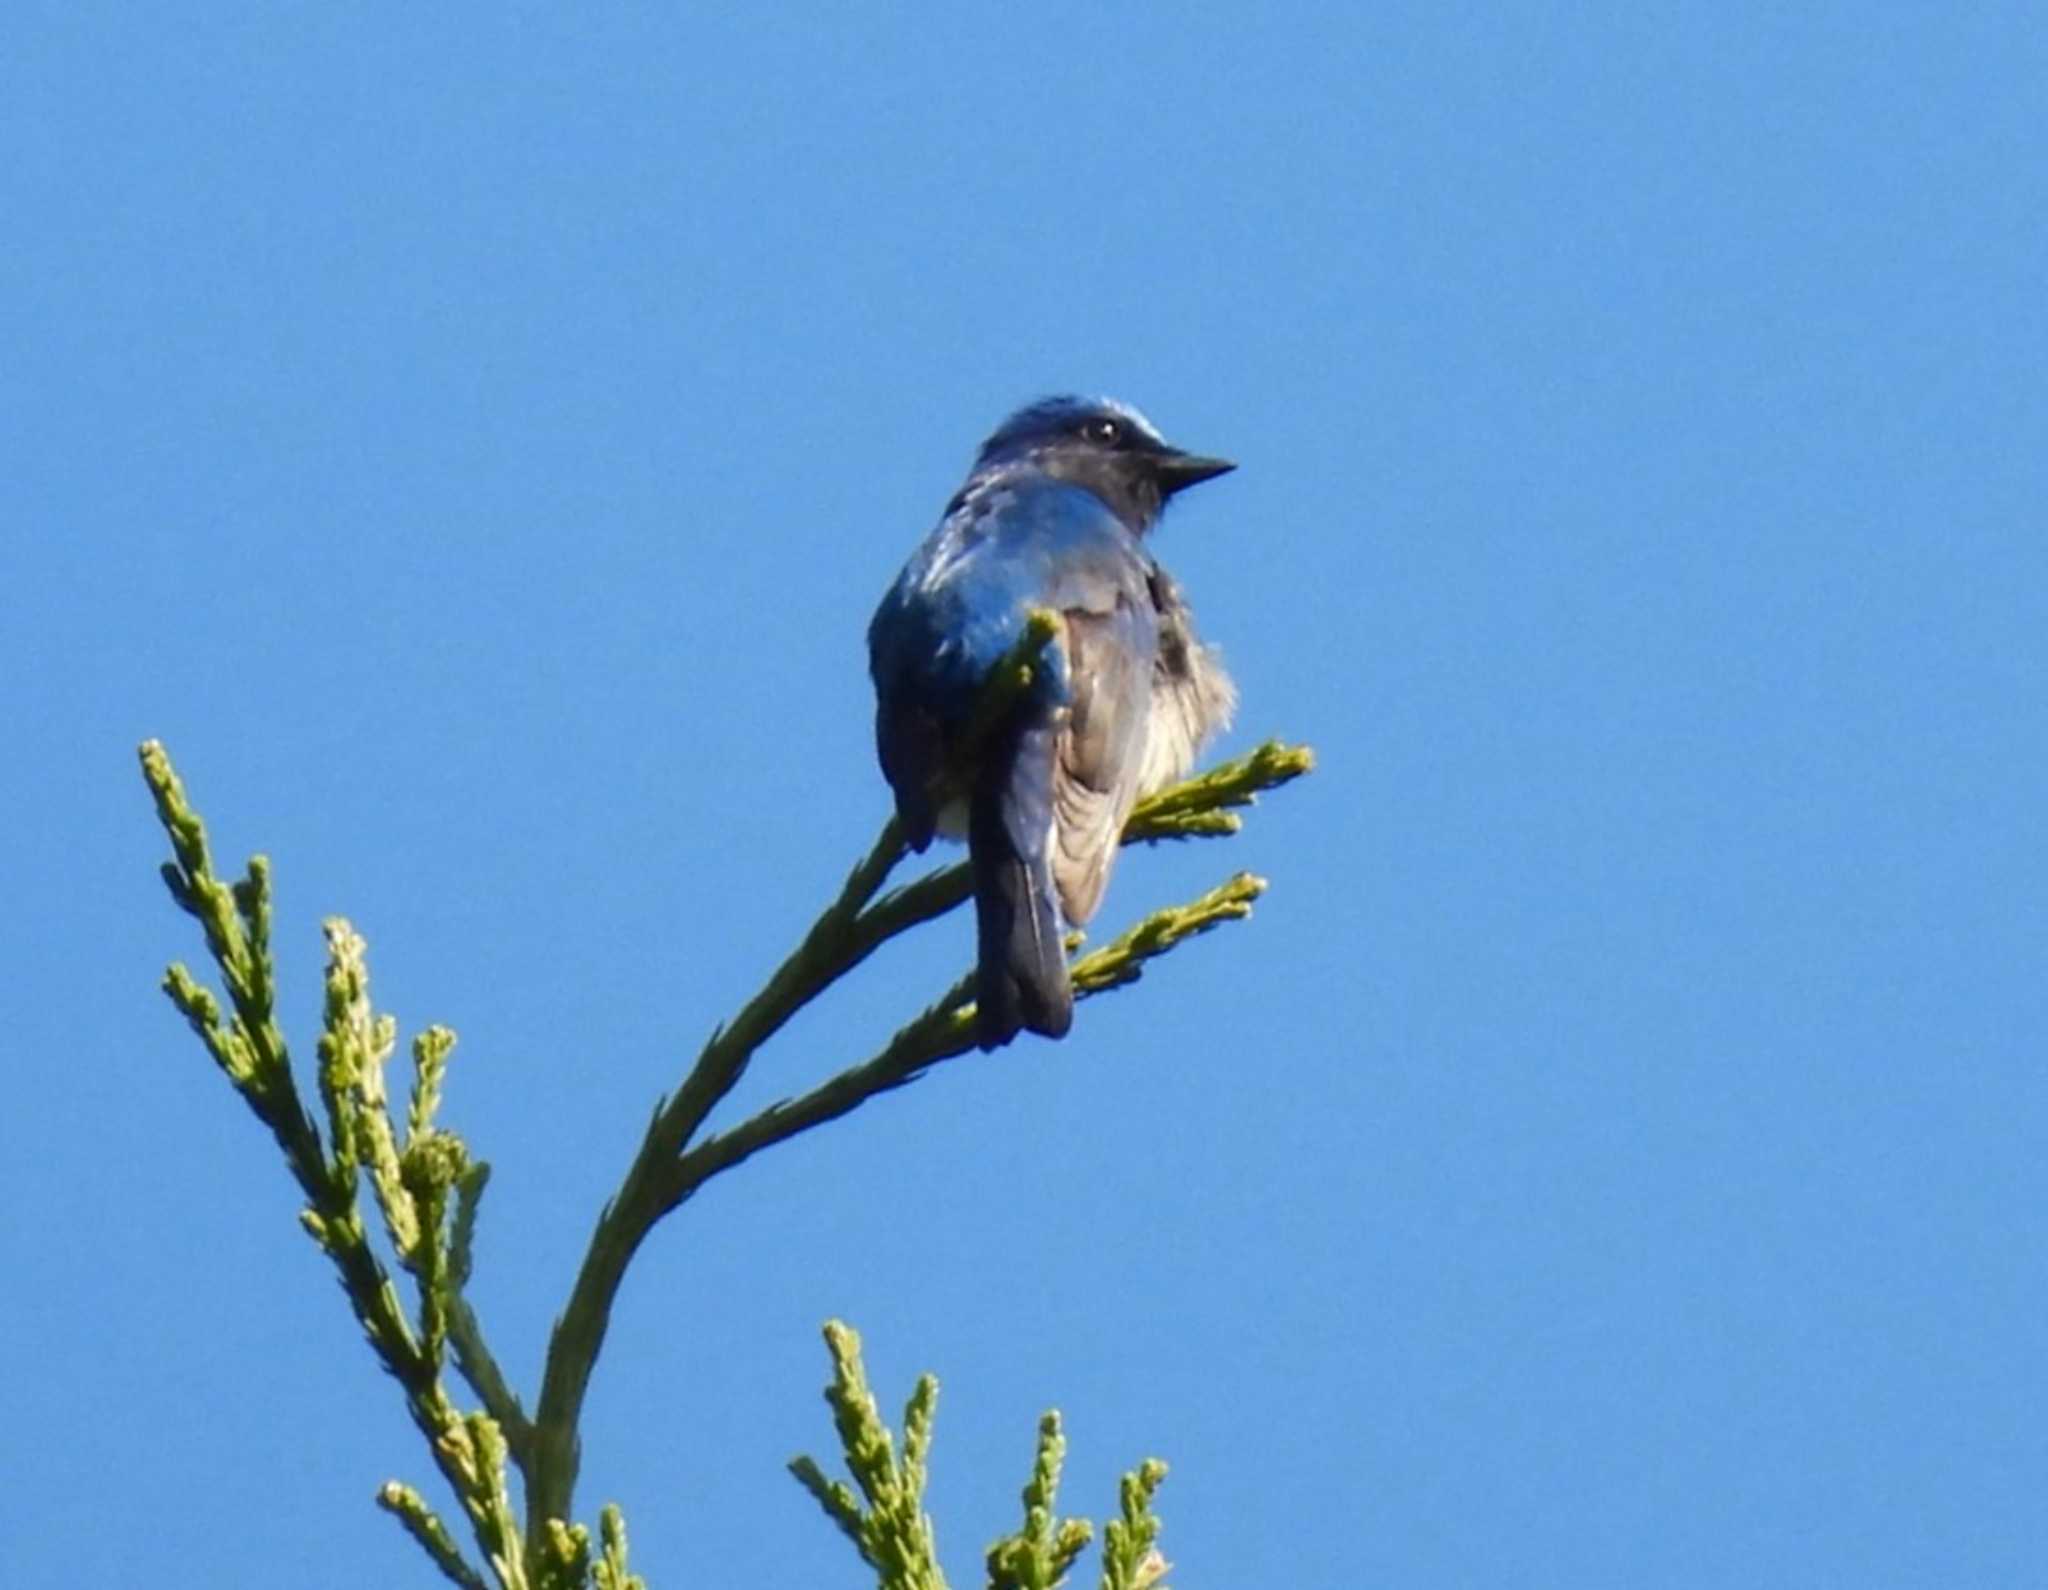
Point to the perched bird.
(1053, 515)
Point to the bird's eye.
(1107, 432)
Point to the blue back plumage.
(1016, 540)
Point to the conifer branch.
(609, 1572)
(1131, 1559)
(836, 943)
(887, 1522)
(411, 1510)
(353, 1046)
(427, 1188)
(885, 1517)
(1039, 1554)
(944, 1030)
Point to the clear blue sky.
(474, 441)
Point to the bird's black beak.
(1178, 470)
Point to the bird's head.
(1106, 446)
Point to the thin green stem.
(828, 950)
(944, 1030)
(837, 942)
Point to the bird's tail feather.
(1021, 974)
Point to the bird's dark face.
(1108, 447)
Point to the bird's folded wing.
(1111, 641)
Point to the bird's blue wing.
(1008, 544)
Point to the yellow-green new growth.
(891, 1531)
(885, 1517)
(1038, 1555)
(1131, 1559)
(354, 1045)
(419, 1520)
(609, 1571)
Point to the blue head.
(1105, 446)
